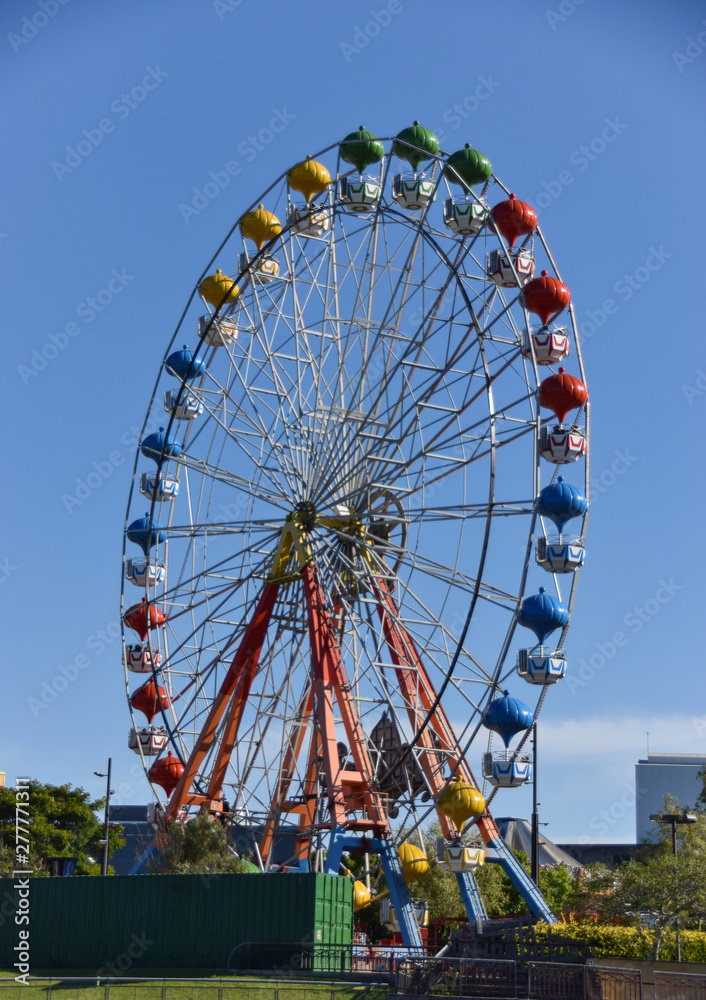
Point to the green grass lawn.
(63, 984)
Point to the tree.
(590, 885)
(440, 890)
(9, 862)
(655, 891)
(500, 896)
(701, 799)
(62, 824)
(558, 885)
(691, 837)
(661, 893)
(199, 847)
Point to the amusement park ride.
(341, 519)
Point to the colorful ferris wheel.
(341, 526)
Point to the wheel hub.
(306, 514)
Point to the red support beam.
(330, 680)
(419, 695)
(236, 682)
(291, 755)
(323, 679)
(308, 808)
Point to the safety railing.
(290, 956)
(457, 977)
(679, 986)
(604, 983)
(508, 979)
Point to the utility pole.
(535, 814)
(672, 819)
(106, 821)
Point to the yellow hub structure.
(293, 552)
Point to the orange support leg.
(236, 683)
(418, 692)
(329, 680)
(294, 745)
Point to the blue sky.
(590, 111)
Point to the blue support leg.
(472, 899)
(521, 880)
(139, 867)
(396, 883)
(338, 842)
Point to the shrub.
(627, 942)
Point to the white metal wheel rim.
(497, 317)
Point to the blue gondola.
(185, 365)
(160, 444)
(543, 614)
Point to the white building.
(675, 774)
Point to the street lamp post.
(534, 860)
(672, 819)
(106, 821)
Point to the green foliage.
(584, 902)
(701, 799)
(656, 894)
(368, 919)
(437, 886)
(627, 942)
(35, 863)
(558, 885)
(62, 824)
(500, 896)
(662, 893)
(691, 837)
(440, 889)
(199, 847)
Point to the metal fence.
(679, 986)
(447, 977)
(303, 956)
(489, 978)
(381, 959)
(555, 981)
(457, 977)
(603, 983)
(523, 948)
(290, 956)
(564, 981)
(94, 988)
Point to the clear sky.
(592, 111)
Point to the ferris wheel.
(341, 526)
